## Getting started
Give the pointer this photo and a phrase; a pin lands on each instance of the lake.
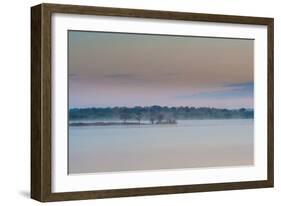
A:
(188, 144)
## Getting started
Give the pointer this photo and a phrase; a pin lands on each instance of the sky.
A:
(120, 69)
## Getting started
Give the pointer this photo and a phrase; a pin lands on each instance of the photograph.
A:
(149, 102)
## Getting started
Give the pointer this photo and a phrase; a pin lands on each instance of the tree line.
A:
(158, 114)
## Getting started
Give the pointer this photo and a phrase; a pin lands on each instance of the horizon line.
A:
(131, 107)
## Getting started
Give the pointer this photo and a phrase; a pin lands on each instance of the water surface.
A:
(188, 144)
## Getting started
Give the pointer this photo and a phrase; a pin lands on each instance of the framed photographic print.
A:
(130, 102)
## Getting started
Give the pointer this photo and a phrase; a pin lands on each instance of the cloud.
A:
(244, 85)
(125, 77)
(121, 76)
(72, 75)
(129, 77)
(229, 91)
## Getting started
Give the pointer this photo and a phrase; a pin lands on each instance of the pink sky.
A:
(113, 69)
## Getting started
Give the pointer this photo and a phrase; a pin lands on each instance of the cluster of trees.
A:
(153, 116)
(158, 114)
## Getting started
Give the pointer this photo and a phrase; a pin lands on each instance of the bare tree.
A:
(124, 115)
(160, 118)
(170, 118)
(138, 116)
(152, 117)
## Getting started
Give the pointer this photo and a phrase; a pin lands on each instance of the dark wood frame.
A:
(41, 102)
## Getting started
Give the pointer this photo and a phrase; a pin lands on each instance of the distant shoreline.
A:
(77, 124)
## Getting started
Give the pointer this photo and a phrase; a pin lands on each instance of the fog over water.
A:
(188, 144)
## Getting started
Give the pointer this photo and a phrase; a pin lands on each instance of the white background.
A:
(15, 102)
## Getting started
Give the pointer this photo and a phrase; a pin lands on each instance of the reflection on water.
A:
(188, 144)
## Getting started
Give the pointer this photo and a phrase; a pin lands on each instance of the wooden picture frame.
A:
(41, 116)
